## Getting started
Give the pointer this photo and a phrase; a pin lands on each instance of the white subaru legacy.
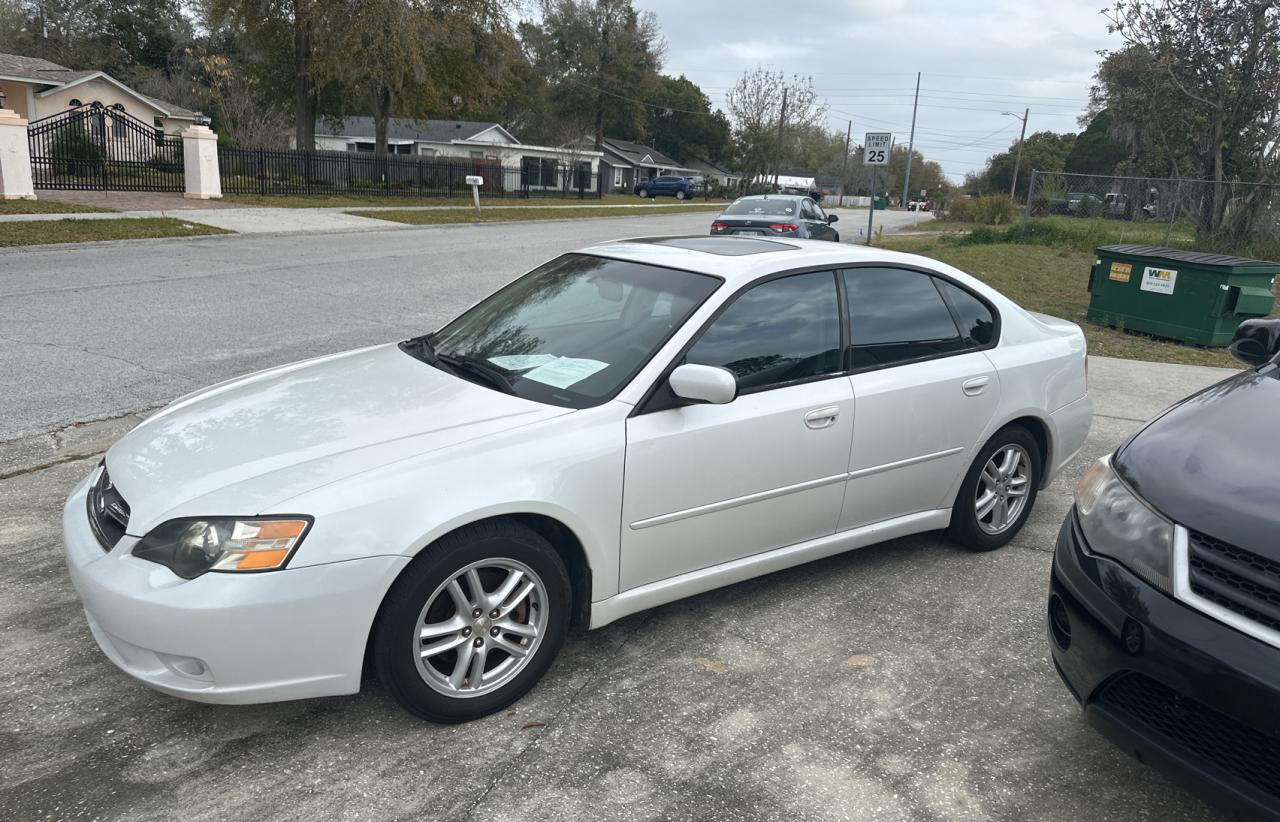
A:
(623, 426)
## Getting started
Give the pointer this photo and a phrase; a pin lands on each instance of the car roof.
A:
(725, 256)
(778, 196)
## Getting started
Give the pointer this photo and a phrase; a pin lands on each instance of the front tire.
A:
(473, 623)
(680, 195)
(643, 193)
(998, 492)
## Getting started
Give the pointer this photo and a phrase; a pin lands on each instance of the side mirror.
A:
(832, 218)
(1256, 341)
(704, 383)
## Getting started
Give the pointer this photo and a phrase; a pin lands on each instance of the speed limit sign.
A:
(876, 148)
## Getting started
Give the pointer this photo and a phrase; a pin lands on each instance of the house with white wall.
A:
(629, 163)
(539, 166)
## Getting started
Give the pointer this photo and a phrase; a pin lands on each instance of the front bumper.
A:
(225, 638)
(1178, 690)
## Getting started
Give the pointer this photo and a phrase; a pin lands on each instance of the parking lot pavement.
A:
(909, 680)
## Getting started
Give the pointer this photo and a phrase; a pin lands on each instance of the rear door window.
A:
(976, 320)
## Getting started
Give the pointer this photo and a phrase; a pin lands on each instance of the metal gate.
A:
(100, 148)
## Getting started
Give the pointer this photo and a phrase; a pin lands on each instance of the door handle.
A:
(822, 417)
(975, 386)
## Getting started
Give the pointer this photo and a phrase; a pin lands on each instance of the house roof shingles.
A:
(35, 68)
(635, 153)
(406, 128)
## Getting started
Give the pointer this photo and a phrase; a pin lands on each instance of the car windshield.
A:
(572, 332)
(745, 208)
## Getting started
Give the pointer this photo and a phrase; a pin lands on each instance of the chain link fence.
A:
(1222, 216)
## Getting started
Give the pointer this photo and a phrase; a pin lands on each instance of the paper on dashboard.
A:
(565, 371)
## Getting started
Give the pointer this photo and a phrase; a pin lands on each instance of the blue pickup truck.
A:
(682, 188)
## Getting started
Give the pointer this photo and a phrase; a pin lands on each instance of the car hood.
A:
(1212, 462)
(241, 446)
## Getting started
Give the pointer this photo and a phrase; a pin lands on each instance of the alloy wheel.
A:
(1002, 489)
(480, 628)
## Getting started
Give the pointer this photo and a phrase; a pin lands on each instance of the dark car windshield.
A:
(572, 332)
(771, 205)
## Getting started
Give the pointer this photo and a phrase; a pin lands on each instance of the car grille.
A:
(1236, 579)
(1241, 751)
(108, 512)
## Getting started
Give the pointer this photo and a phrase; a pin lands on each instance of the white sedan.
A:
(623, 426)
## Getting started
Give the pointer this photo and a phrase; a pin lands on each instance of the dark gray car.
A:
(776, 215)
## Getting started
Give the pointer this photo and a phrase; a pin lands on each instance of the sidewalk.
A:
(244, 219)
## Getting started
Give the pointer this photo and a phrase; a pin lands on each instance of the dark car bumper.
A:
(1195, 699)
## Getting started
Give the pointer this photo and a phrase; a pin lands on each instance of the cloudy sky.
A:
(978, 59)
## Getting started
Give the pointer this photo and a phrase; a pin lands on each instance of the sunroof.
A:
(722, 246)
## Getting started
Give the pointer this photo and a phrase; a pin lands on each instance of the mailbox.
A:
(474, 180)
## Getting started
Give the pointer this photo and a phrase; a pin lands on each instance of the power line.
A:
(658, 106)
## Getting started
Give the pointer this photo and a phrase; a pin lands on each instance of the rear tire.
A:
(998, 492)
(448, 652)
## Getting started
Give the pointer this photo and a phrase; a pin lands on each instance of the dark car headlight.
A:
(190, 547)
(1118, 524)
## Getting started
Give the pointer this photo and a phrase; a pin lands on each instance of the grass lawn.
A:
(493, 214)
(462, 201)
(45, 207)
(1053, 280)
(40, 232)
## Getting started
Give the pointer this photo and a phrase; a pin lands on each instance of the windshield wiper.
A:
(475, 368)
(421, 348)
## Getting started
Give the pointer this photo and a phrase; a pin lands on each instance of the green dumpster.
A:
(881, 203)
(1191, 296)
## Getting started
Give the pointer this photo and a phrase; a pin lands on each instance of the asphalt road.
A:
(104, 329)
(909, 680)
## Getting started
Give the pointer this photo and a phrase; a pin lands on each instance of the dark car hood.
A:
(1212, 462)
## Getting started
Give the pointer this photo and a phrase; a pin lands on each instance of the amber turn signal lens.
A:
(257, 560)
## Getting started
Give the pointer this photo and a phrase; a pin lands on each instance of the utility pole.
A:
(777, 151)
(844, 164)
(1018, 162)
(911, 145)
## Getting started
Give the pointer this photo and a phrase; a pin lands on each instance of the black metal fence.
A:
(266, 171)
(99, 148)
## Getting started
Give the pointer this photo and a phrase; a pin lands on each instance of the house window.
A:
(617, 178)
(361, 146)
(426, 152)
(542, 172)
(402, 148)
(477, 155)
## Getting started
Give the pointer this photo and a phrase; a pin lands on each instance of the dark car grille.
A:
(1241, 751)
(108, 512)
(1238, 580)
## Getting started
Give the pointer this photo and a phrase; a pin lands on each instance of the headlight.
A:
(1118, 524)
(190, 547)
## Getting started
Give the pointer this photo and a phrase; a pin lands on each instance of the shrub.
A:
(989, 209)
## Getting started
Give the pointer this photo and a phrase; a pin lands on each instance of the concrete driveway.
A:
(909, 680)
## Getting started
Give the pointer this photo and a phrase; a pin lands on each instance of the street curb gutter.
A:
(75, 442)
